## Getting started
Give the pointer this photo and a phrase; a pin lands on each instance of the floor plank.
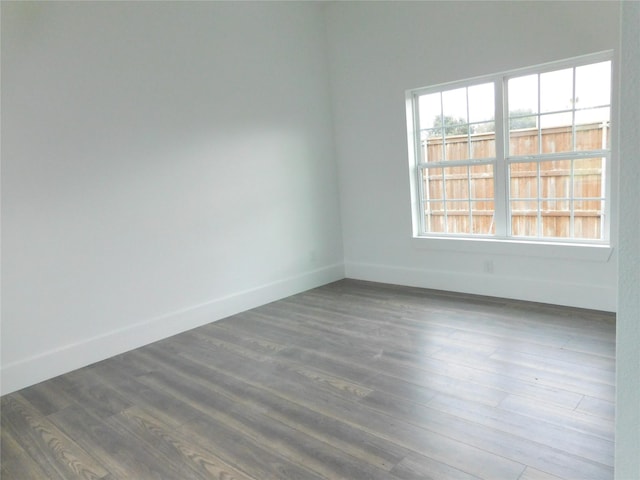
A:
(352, 380)
(57, 455)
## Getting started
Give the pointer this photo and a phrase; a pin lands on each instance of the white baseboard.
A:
(23, 373)
(543, 291)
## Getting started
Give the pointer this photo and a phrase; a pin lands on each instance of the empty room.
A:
(320, 240)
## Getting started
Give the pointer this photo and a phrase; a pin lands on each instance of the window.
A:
(517, 155)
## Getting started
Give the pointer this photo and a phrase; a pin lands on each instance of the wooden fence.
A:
(551, 195)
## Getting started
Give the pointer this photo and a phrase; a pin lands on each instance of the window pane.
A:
(457, 183)
(587, 226)
(523, 95)
(432, 145)
(556, 224)
(524, 219)
(587, 218)
(482, 181)
(482, 218)
(592, 130)
(593, 115)
(433, 183)
(484, 206)
(587, 178)
(523, 137)
(483, 128)
(457, 208)
(436, 208)
(481, 103)
(455, 106)
(431, 133)
(556, 90)
(429, 110)
(525, 122)
(557, 138)
(593, 85)
(483, 140)
(555, 179)
(523, 180)
(552, 120)
(587, 206)
(547, 207)
(457, 143)
(434, 217)
(458, 217)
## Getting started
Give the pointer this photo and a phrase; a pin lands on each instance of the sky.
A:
(592, 89)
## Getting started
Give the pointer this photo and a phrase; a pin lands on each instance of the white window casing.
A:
(538, 191)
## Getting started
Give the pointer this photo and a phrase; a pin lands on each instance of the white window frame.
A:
(501, 162)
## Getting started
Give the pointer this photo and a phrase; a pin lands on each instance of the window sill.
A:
(520, 248)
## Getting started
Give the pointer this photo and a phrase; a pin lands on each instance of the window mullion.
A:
(500, 173)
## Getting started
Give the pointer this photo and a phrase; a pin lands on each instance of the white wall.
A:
(163, 165)
(377, 52)
(627, 466)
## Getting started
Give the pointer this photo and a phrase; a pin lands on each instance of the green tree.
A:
(523, 119)
(459, 126)
(452, 126)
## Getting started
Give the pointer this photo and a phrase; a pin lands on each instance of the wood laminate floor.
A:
(352, 380)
